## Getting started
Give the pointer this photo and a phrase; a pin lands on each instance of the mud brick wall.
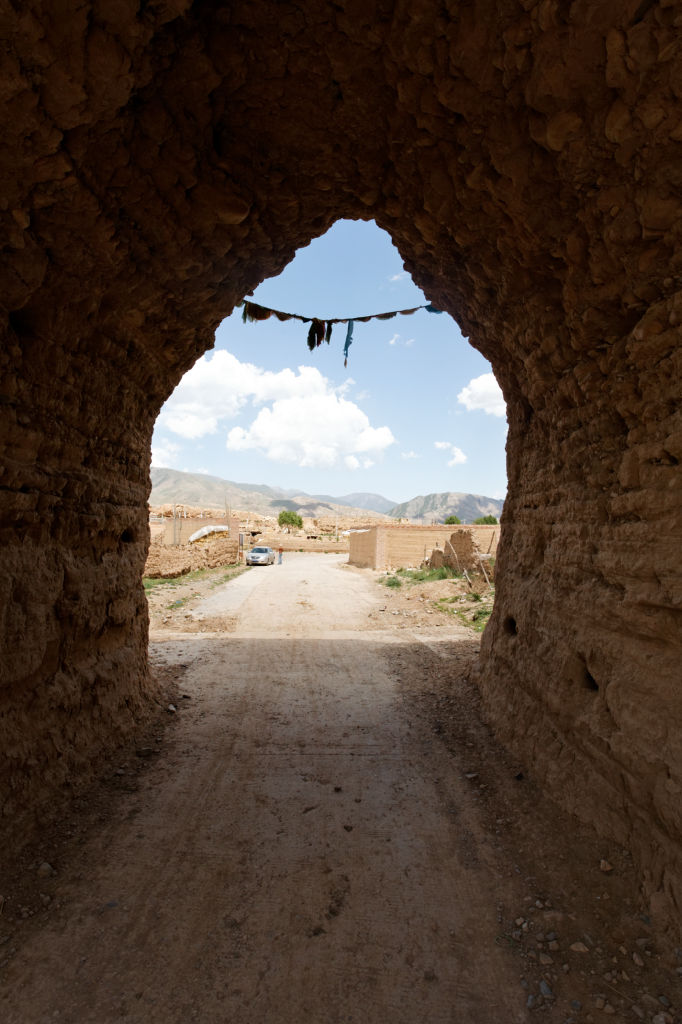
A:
(363, 549)
(408, 546)
(395, 547)
(486, 537)
(461, 551)
(168, 561)
(524, 157)
(466, 548)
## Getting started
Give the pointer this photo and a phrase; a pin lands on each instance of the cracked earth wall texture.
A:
(161, 159)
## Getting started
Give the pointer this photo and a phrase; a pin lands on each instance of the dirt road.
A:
(311, 844)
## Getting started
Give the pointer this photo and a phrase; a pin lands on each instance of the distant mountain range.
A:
(373, 502)
(170, 486)
(449, 503)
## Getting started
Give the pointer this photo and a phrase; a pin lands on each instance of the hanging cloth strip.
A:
(316, 334)
(252, 311)
(321, 330)
(349, 342)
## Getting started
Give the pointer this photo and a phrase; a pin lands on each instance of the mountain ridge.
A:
(173, 486)
(361, 499)
(439, 505)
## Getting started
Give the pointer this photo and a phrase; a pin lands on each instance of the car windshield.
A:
(259, 551)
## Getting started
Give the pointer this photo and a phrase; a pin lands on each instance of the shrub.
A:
(426, 575)
(453, 521)
(485, 521)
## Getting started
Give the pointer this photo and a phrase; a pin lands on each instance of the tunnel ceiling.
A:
(193, 147)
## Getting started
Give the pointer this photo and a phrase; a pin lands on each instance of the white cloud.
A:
(457, 456)
(398, 277)
(313, 430)
(362, 395)
(396, 340)
(218, 388)
(164, 454)
(483, 393)
(409, 455)
(303, 417)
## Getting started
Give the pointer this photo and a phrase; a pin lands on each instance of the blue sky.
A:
(417, 410)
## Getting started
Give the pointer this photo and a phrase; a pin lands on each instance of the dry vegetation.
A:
(436, 596)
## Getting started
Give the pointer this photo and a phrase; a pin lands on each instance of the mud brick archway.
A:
(161, 159)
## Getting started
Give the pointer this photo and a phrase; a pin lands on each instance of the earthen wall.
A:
(408, 547)
(385, 547)
(363, 549)
(486, 538)
(167, 561)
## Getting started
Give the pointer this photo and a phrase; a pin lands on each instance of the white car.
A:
(260, 556)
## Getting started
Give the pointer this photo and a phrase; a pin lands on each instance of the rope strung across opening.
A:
(321, 330)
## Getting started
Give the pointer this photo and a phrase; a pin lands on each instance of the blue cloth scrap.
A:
(432, 309)
(349, 338)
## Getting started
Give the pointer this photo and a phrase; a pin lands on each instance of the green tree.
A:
(453, 521)
(288, 518)
(485, 521)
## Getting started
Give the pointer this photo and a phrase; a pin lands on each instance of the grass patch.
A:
(401, 576)
(201, 574)
(476, 621)
(480, 619)
(237, 570)
(429, 575)
(149, 582)
(152, 582)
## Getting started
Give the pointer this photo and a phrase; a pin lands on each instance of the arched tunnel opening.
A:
(161, 162)
(335, 419)
(263, 405)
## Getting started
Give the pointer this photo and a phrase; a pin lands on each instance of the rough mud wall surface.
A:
(161, 159)
(166, 562)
